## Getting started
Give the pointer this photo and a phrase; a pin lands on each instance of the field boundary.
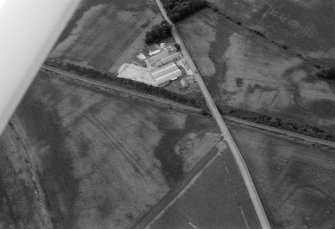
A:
(172, 195)
(99, 85)
(292, 135)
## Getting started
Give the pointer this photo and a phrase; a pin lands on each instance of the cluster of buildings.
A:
(160, 67)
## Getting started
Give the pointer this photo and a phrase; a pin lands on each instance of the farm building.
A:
(166, 73)
(161, 67)
(156, 77)
(162, 58)
(152, 53)
(170, 58)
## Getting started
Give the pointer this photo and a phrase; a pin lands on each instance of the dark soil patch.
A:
(218, 48)
(239, 82)
(252, 89)
(171, 163)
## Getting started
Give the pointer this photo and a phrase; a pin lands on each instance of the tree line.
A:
(199, 102)
(112, 78)
(179, 9)
(281, 123)
(158, 33)
(176, 10)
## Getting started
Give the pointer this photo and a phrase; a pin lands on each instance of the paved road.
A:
(223, 127)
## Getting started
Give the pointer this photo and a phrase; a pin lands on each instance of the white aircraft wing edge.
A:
(28, 31)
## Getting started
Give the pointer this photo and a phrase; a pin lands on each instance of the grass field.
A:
(295, 181)
(74, 157)
(105, 34)
(247, 71)
(216, 198)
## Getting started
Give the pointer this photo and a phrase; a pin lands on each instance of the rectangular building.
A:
(166, 73)
(162, 58)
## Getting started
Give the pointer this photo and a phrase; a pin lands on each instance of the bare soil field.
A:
(73, 157)
(295, 181)
(247, 71)
(215, 198)
(105, 34)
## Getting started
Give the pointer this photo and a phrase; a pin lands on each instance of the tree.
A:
(179, 9)
(158, 33)
(177, 46)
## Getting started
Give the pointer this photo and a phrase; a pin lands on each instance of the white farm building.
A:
(163, 58)
(155, 77)
(166, 73)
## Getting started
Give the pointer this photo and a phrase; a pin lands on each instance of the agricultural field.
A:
(304, 26)
(105, 34)
(19, 198)
(75, 157)
(215, 198)
(254, 72)
(295, 181)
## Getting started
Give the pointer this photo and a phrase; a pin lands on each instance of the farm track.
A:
(133, 159)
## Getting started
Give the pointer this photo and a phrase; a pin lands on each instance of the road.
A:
(223, 127)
